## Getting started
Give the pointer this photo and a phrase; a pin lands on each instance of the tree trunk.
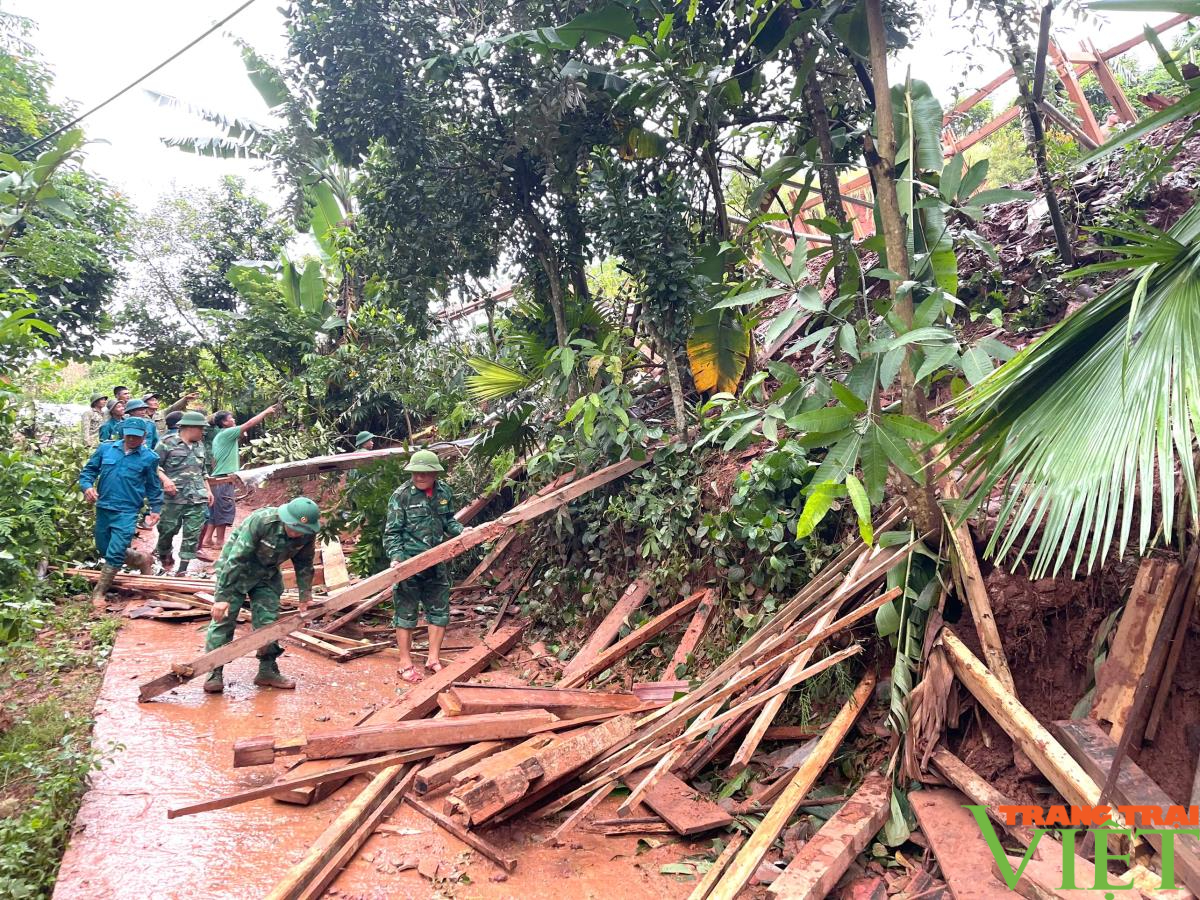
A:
(713, 170)
(543, 249)
(672, 364)
(881, 160)
(1030, 91)
(827, 172)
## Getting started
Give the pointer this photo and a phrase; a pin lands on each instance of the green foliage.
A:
(78, 383)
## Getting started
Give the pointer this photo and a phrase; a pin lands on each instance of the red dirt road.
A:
(178, 750)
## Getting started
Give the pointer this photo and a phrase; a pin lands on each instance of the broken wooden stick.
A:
(373, 586)
(556, 837)
(713, 875)
(469, 838)
(606, 632)
(440, 772)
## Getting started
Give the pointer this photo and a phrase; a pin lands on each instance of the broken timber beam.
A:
(743, 867)
(1095, 751)
(680, 805)
(341, 773)
(441, 771)
(824, 858)
(375, 586)
(606, 632)
(695, 631)
(978, 791)
(634, 639)
(1027, 733)
(393, 737)
(962, 853)
(418, 702)
(471, 699)
(338, 843)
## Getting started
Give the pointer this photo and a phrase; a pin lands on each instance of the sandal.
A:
(411, 675)
(435, 667)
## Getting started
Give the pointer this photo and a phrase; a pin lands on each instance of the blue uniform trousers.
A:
(114, 533)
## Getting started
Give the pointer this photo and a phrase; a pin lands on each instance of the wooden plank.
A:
(978, 791)
(305, 877)
(418, 702)
(460, 700)
(790, 733)
(726, 856)
(606, 632)
(695, 631)
(1117, 679)
(493, 765)
(966, 562)
(679, 805)
(374, 587)
(738, 875)
(365, 767)
(441, 771)
(336, 573)
(506, 863)
(648, 691)
(1095, 751)
(635, 639)
(825, 857)
(484, 799)
(1167, 679)
(963, 854)
(1018, 723)
(394, 737)
(556, 837)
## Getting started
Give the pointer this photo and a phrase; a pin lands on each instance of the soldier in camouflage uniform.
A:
(249, 567)
(183, 461)
(420, 515)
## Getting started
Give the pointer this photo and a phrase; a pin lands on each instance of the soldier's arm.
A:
(394, 529)
(451, 525)
(302, 562)
(238, 554)
(154, 489)
(91, 470)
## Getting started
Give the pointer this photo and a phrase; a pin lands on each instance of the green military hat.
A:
(301, 515)
(111, 403)
(134, 425)
(96, 398)
(362, 437)
(192, 417)
(424, 461)
(133, 404)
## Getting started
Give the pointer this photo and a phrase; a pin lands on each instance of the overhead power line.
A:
(99, 106)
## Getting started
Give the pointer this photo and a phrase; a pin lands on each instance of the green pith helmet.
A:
(301, 515)
(424, 461)
(362, 437)
(192, 417)
(135, 404)
(97, 397)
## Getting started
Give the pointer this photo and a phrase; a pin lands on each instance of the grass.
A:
(48, 687)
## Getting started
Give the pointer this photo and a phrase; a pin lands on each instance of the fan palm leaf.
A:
(1083, 425)
(493, 380)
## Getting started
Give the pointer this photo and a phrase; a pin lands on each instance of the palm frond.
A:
(1084, 425)
(493, 380)
(215, 147)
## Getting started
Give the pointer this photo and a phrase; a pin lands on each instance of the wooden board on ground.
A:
(1117, 679)
(1095, 750)
(695, 631)
(419, 701)
(440, 772)
(961, 851)
(680, 805)
(471, 699)
(606, 632)
(392, 737)
(824, 858)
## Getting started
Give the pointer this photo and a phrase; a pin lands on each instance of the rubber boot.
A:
(216, 682)
(100, 591)
(166, 562)
(182, 570)
(143, 562)
(270, 676)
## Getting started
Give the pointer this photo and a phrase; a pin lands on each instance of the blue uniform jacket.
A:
(123, 479)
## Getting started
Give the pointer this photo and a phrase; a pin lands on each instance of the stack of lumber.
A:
(492, 752)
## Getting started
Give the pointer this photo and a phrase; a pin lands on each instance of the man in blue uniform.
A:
(119, 477)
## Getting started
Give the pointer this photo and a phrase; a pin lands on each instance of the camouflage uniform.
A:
(415, 523)
(185, 465)
(249, 567)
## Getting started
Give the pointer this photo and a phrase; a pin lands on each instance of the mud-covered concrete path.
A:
(178, 750)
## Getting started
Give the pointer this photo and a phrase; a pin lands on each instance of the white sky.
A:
(95, 48)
